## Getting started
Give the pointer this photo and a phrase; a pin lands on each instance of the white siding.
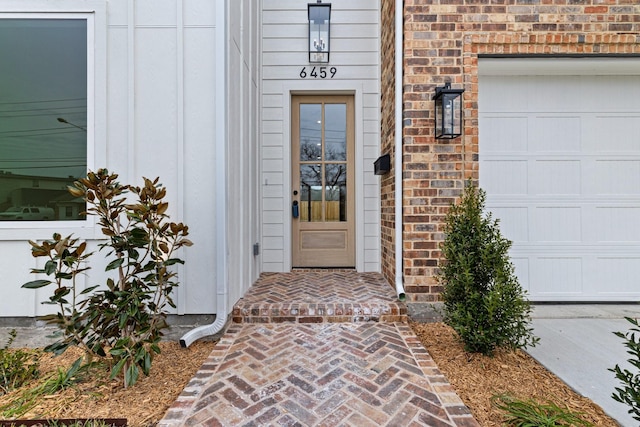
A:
(355, 54)
(242, 148)
(156, 102)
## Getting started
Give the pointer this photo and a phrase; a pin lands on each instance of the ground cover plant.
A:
(28, 398)
(531, 413)
(483, 301)
(16, 366)
(122, 323)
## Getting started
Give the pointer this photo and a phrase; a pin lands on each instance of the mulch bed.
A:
(97, 397)
(110, 422)
(478, 378)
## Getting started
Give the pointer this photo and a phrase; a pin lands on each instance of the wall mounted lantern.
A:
(448, 104)
(319, 24)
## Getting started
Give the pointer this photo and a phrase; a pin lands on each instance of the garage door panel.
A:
(517, 170)
(621, 94)
(505, 134)
(555, 134)
(514, 222)
(560, 94)
(618, 276)
(558, 276)
(556, 177)
(621, 133)
(568, 195)
(510, 97)
(557, 224)
(618, 177)
(617, 224)
(521, 265)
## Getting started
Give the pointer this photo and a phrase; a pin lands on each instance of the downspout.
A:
(222, 284)
(399, 55)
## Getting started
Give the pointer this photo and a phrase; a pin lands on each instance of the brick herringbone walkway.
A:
(287, 373)
(319, 296)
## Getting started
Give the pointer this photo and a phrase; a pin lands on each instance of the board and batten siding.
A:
(243, 147)
(157, 98)
(355, 53)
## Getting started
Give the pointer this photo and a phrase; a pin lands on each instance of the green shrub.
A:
(125, 319)
(629, 392)
(529, 413)
(483, 300)
(17, 366)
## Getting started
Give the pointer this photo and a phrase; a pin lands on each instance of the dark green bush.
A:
(17, 366)
(483, 301)
(629, 392)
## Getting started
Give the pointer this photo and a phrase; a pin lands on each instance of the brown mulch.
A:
(477, 378)
(142, 405)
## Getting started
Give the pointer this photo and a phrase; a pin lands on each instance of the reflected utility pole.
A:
(61, 120)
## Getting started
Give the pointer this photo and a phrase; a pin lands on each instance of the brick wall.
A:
(442, 41)
(387, 220)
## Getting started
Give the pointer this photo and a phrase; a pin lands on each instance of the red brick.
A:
(577, 26)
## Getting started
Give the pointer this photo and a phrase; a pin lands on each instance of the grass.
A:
(531, 413)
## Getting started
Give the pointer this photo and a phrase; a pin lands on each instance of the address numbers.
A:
(318, 72)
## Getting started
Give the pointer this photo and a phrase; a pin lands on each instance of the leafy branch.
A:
(125, 319)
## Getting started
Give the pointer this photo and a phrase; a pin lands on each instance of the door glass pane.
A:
(310, 132)
(336, 192)
(335, 131)
(311, 192)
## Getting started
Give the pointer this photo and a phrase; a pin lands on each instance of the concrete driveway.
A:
(578, 345)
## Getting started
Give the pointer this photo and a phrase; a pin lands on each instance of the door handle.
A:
(295, 210)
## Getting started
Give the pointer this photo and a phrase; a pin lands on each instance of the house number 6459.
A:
(318, 72)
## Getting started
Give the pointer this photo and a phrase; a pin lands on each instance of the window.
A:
(43, 114)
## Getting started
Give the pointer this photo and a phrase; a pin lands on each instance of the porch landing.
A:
(315, 367)
(320, 296)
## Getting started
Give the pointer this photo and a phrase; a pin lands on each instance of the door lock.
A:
(295, 210)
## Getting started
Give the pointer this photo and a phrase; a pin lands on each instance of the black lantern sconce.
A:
(448, 103)
(319, 34)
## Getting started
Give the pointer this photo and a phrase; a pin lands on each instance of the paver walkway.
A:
(320, 296)
(315, 369)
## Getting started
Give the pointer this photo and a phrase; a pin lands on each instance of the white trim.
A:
(95, 13)
(182, 292)
(399, 196)
(131, 89)
(556, 66)
(324, 88)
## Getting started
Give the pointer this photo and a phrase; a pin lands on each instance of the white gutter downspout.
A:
(399, 54)
(222, 284)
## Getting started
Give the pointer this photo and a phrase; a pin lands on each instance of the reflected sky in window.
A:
(43, 78)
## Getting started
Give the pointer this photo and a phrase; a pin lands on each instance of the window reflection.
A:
(311, 192)
(323, 166)
(43, 117)
(335, 131)
(336, 192)
(310, 132)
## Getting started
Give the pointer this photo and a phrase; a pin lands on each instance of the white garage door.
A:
(559, 153)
